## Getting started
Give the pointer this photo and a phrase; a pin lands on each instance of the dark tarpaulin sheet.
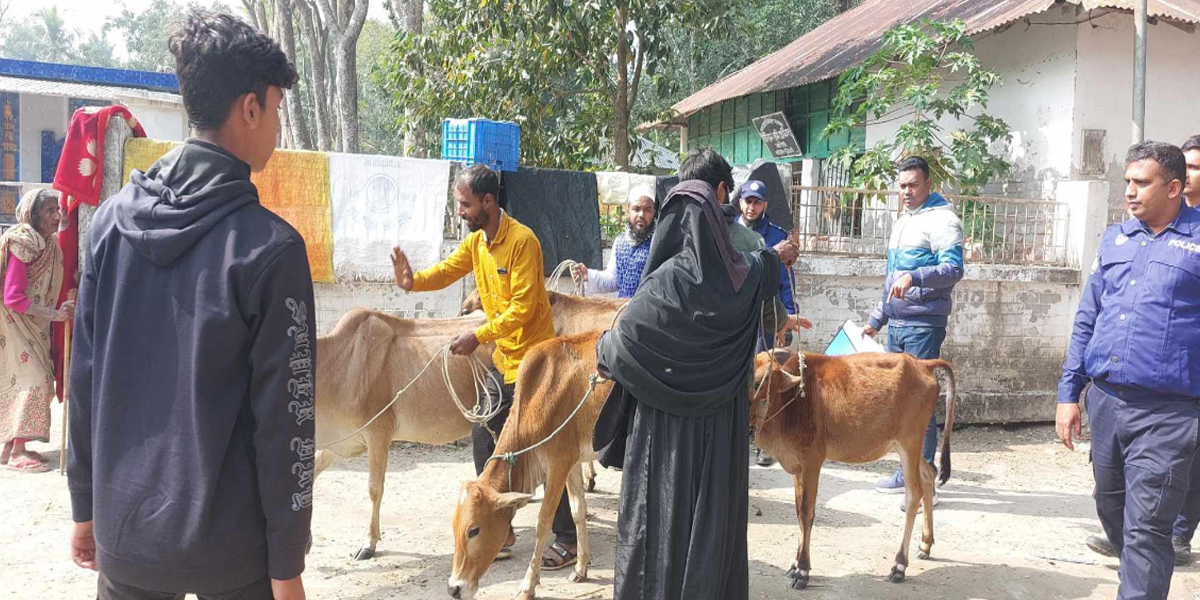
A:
(778, 199)
(663, 187)
(561, 208)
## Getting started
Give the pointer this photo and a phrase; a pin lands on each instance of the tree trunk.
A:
(347, 90)
(295, 112)
(413, 17)
(621, 109)
(315, 35)
(346, 23)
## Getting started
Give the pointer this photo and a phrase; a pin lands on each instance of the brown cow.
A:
(552, 381)
(361, 365)
(852, 409)
(572, 315)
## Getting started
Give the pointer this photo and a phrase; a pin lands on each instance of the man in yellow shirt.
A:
(506, 258)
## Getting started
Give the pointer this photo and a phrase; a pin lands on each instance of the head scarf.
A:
(26, 243)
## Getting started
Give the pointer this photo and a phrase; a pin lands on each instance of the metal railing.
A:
(612, 223)
(857, 222)
(1117, 214)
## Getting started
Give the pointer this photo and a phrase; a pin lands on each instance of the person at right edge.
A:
(1189, 516)
(677, 420)
(1135, 341)
(924, 262)
(192, 379)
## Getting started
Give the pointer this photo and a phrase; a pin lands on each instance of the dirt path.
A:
(1010, 524)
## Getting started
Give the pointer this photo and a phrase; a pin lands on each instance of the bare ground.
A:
(1011, 524)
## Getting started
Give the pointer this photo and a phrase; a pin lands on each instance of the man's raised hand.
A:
(402, 270)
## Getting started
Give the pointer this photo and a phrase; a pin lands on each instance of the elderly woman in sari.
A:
(31, 269)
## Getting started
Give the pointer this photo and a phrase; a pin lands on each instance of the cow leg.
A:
(555, 482)
(324, 459)
(927, 500)
(377, 456)
(913, 490)
(589, 475)
(578, 498)
(806, 509)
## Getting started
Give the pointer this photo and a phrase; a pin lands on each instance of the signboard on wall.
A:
(777, 134)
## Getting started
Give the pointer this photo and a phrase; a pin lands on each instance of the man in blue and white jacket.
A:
(925, 260)
(630, 250)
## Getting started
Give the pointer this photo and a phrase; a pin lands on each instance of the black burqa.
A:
(677, 420)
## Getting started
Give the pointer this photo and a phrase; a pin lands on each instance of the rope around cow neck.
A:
(511, 457)
(477, 415)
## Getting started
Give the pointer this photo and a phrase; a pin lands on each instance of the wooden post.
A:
(66, 402)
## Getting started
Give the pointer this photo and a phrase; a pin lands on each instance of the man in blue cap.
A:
(754, 216)
(1135, 341)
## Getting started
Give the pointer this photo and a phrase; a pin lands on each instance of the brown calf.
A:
(573, 315)
(852, 409)
(552, 381)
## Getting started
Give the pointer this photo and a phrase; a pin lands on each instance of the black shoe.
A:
(762, 459)
(1183, 551)
(1099, 544)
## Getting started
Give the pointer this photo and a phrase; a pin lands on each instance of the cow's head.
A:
(481, 522)
(771, 381)
(471, 304)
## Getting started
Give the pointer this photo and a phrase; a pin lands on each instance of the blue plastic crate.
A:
(496, 144)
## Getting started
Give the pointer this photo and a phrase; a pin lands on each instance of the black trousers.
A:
(108, 589)
(1142, 454)
(482, 448)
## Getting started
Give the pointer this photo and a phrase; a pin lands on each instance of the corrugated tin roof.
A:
(21, 85)
(848, 39)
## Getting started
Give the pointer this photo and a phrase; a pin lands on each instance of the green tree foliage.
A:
(43, 37)
(926, 77)
(569, 72)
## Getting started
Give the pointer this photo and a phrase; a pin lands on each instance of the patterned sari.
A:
(26, 368)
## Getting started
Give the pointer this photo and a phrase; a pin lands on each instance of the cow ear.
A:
(781, 355)
(513, 500)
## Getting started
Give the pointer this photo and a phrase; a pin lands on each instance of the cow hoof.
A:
(800, 582)
(591, 484)
(922, 554)
(897, 576)
(365, 553)
(523, 596)
(576, 577)
(792, 571)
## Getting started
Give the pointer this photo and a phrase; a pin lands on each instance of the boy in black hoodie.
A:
(191, 454)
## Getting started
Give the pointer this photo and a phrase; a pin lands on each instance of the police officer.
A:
(754, 216)
(1135, 340)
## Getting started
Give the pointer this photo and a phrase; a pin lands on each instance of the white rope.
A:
(476, 415)
(511, 457)
(557, 273)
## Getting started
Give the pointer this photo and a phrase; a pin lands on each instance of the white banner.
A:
(383, 201)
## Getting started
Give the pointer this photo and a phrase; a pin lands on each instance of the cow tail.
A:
(947, 384)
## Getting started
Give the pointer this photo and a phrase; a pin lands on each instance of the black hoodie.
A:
(191, 430)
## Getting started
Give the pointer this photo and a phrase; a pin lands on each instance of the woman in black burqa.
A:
(677, 421)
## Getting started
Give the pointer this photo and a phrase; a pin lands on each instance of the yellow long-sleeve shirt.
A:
(509, 274)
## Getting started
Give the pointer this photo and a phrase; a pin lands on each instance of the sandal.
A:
(27, 464)
(566, 555)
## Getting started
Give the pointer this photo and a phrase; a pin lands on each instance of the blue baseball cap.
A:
(754, 189)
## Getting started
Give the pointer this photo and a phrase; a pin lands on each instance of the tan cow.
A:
(552, 381)
(572, 315)
(361, 365)
(852, 409)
